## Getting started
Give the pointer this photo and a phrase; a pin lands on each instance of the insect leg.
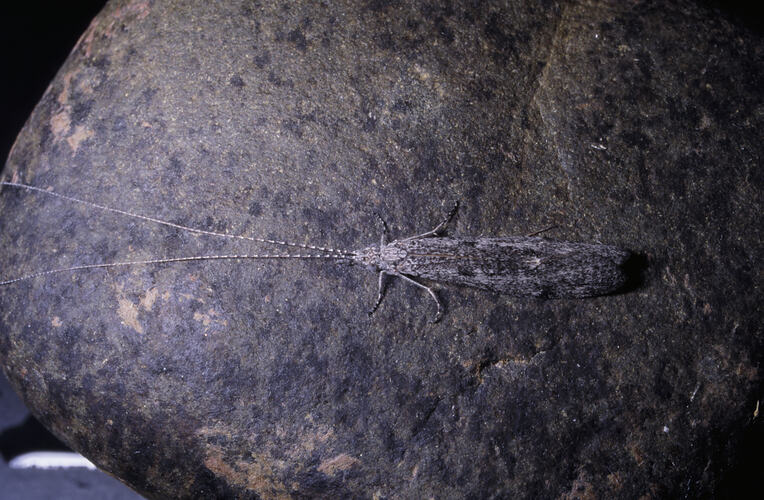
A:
(385, 231)
(429, 290)
(380, 294)
(534, 233)
(439, 228)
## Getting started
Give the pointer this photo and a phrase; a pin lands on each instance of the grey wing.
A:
(520, 266)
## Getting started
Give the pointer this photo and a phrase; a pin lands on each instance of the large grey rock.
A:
(636, 124)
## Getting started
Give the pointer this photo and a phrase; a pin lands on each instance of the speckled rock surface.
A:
(636, 124)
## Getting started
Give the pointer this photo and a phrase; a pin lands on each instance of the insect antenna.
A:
(169, 260)
(90, 204)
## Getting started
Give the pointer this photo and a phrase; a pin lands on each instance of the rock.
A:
(634, 124)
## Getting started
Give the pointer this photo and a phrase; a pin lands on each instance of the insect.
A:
(517, 265)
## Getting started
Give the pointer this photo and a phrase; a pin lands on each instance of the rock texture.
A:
(629, 123)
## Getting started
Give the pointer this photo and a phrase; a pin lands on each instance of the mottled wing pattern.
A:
(520, 266)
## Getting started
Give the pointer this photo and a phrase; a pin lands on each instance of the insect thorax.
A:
(380, 259)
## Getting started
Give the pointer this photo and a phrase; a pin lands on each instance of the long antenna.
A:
(169, 260)
(90, 204)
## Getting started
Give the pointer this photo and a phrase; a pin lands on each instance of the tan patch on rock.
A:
(63, 97)
(59, 125)
(615, 481)
(99, 28)
(581, 489)
(636, 453)
(140, 8)
(256, 475)
(56, 322)
(129, 314)
(340, 463)
(312, 440)
(80, 134)
(204, 318)
(210, 319)
(148, 299)
(86, 40)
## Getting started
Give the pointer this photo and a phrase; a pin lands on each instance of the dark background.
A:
(36, 39)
